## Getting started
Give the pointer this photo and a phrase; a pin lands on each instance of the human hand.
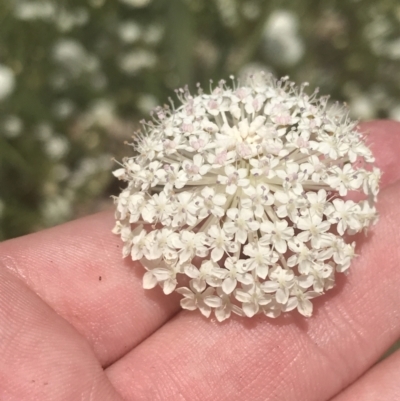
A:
(75, 323)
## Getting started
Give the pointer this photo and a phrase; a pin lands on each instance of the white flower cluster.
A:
(246, 191)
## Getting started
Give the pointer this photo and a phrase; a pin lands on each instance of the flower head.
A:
(244, 192)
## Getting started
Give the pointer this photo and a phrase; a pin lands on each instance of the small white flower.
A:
(242, 222)
(252, 298)
(282, 280)
(316, 203)
(226, 307)
(207, 274)
(260, 257)
(194, 170)
(301, 300)
(220, 243)
(188, 244)
(345, 214)
(202, 299)
(231, 275)
(167, 276)
(139, 245)
(185, 210)
(158, 209)
(277, 233)
(257, 198)
(313, 229)
(233, 178)
(264, 166)
(210, 203)
(241, 191)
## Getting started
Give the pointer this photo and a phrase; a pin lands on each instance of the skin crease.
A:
(75, 323)
(381, 383)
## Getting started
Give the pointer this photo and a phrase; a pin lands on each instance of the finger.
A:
(42, 356)
(383, 138)
(381, 383)
(291, 358)
(78, 270)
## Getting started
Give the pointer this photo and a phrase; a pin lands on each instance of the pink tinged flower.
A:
(301, 140)
(187, 126)
(279, 113)
(244, 150)
(194, 170)
(264, 167)
(233, 178)
(221, 158)
(171, 146)
(253, 104)
(218, 103)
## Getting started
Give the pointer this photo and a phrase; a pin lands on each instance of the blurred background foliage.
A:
(76, 77)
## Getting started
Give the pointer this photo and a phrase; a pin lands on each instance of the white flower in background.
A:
(68, 20)
(34, 10)
(7, 81)
(129, 31)
(133, 62)
(243, 192)
(71, 55)
(282, 41)
(136, 3)
(12, 126)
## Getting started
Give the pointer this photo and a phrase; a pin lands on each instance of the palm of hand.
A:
(75, 323)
